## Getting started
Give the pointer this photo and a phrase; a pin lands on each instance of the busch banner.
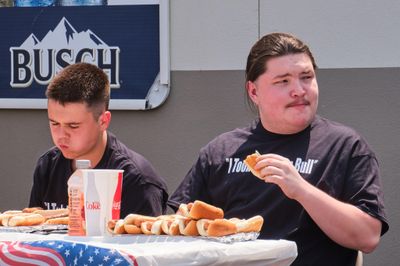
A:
(123, 40)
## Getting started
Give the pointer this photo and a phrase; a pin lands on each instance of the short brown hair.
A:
(273, 45)
(81, 83)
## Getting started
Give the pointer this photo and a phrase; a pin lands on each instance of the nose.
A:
(298, 89)
(61, 132)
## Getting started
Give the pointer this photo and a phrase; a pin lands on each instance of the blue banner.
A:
(37, 42)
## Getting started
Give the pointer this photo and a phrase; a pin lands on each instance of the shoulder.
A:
(339, 134)
(50, 156)
(332, 128)
(232, 139)
(226, 144)
(52, 161)
(136, 167)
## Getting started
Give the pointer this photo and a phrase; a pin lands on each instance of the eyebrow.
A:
(309, 71)
(68, 123)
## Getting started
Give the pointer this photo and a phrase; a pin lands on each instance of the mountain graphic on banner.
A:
(65, 35)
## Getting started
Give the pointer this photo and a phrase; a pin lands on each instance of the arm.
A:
(36, 198)
(343, 223)
(145, 199)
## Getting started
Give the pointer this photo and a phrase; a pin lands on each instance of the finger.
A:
(277, 163)
(271, 170)
(273, 179)
(271, 156)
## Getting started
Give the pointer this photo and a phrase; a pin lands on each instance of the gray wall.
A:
(359, 86)
(206, 103)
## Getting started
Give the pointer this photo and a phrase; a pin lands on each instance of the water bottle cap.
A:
(82, 164)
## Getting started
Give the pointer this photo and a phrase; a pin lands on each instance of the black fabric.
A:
(143, 190)
(329, 155)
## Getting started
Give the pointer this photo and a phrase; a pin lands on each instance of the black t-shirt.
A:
(328, 155)
(143, 190)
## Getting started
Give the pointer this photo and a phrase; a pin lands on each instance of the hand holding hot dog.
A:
(276, 169)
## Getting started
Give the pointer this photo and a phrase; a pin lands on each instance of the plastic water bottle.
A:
(33, 3)
(81, 2)
(76, 210)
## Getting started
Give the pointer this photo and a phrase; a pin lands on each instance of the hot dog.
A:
(6, 216)
(217, 227)
(146, 227)
(26, 220)
(184, 209)
(156, 228)
(132, 229)
(137, 219)
(59, 220)
(202, 210)
(187, 227)
(32, 209)
(170, 227)
(49, 214)
(223, 227)
(251, 161)
(252, 224)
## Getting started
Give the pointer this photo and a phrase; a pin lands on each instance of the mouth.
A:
(299, 103)
(63, 146)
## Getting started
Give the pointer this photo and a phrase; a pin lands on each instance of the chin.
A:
(298, 125)
(69, 155)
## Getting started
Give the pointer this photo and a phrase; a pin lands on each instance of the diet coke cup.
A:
(102, 199)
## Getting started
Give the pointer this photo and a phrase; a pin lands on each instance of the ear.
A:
(252, 91)
(105, 120)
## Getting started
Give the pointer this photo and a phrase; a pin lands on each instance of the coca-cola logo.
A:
(116, 205)
(95, 205)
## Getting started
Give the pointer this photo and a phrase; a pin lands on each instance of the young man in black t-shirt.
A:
(78, 114)
(319, 181)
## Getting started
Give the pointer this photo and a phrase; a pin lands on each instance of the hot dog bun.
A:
(133, 222)
(217, 227)
(6, 216)
(137, 219)
(252, 224)
(119, 227)
(250, 162)
(49, 214)
(170, 227)
(146, 227)
(202, 210)
(184, 209)
(26, 220)
(188, 227)
(58, 220)
(32, 209)
(132, 229)
(156, 228)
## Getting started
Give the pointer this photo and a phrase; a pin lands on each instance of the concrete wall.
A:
(354, 43)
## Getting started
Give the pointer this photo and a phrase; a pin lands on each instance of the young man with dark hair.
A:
(78, 99)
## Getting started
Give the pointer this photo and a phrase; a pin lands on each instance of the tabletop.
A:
(141, 250)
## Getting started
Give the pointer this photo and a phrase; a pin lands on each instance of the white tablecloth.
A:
(167, 250)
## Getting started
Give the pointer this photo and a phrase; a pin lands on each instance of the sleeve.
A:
(140, 196)
(194, 185)
(363, 187)
(36, 198)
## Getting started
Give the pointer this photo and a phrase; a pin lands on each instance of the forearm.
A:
(343, 223)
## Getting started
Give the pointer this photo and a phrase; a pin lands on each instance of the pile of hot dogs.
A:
(192, 219)
(33, 216)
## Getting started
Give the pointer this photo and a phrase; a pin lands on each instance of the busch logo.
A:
(95, 205)
(41, 60)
